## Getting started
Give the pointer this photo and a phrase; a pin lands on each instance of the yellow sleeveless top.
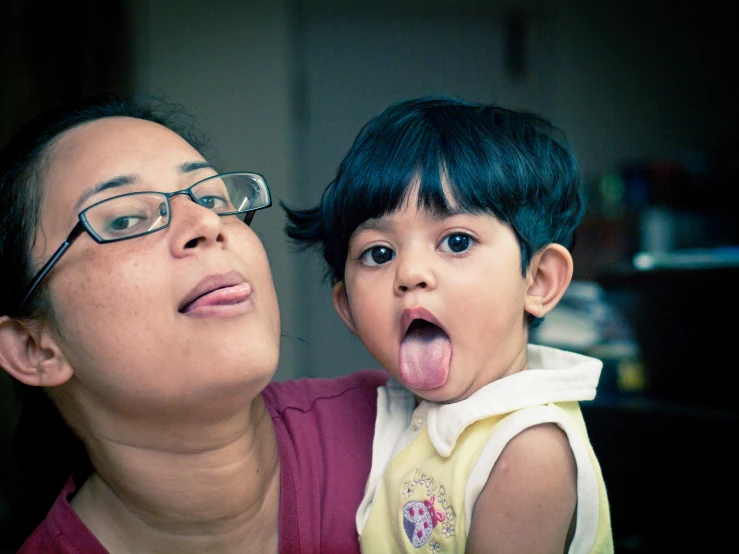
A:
(424, 498)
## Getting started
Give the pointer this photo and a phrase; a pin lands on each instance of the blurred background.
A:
(645, 90)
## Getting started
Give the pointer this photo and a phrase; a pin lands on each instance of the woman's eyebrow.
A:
(123, 180)
(188, 167)
(115, 182)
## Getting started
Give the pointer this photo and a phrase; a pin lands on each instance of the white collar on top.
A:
(554, 375)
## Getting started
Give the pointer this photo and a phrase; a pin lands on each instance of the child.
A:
(446, 232)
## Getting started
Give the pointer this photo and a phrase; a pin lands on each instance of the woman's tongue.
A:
(223, 296)
(425, 354)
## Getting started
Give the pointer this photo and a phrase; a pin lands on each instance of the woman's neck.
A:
(218, 499)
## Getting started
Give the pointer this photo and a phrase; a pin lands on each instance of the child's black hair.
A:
(514, 165)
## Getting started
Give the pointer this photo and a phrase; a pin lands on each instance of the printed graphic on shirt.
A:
(419, 519)
(422, 515)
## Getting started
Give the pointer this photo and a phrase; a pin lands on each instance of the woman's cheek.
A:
(108, 286)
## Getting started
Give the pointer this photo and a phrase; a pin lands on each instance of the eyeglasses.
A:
(141, 213)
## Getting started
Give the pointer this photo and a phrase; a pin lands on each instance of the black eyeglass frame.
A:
(84, 226)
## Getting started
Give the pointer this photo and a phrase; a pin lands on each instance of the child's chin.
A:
(450, 392)
(445, 394)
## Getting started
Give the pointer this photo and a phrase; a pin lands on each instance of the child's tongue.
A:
(425, 354)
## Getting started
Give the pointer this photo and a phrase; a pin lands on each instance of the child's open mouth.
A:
(425, 354)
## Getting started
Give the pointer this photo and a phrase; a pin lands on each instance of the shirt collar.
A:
(553, 376)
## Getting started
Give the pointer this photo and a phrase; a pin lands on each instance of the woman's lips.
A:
(219, 295)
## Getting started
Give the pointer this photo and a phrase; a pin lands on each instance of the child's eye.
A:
(456, 243)
(377, 255)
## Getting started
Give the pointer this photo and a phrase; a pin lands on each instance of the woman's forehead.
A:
(106, 148)
(114, 143)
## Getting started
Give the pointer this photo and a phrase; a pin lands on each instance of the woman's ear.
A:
(31, 355)
(550, 273)
(341, 305)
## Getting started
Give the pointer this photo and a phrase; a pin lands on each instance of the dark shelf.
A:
(668, 469)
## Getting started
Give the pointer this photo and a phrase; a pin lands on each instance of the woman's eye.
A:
(456, 243)
(126, 215)
(377, 255)
(124, 223)
(215, 203)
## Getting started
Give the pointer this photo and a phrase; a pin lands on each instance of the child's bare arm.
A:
(528, 504)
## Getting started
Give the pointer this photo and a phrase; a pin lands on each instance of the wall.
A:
(637, 80)
(284, 86)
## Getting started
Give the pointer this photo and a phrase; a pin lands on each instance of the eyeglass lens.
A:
(136, 214)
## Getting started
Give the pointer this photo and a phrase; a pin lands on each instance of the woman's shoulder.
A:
(62, 531)
(303, 394)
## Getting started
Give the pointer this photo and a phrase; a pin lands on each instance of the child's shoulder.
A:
(536, 474)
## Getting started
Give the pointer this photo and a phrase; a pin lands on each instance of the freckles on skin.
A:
(102, 290)
(96, 290)
(100, 273)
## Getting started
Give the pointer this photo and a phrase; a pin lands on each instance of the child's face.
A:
(461, 272)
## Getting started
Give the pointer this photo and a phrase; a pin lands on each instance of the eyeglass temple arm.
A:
(76, 232)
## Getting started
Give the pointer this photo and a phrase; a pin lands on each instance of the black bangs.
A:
(387, 162)
(379, 180)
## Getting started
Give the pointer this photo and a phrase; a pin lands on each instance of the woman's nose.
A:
(414, 271)
(193, 225)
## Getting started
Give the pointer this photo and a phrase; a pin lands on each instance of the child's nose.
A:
(413, 272)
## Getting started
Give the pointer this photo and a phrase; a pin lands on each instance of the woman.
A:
(154, 330)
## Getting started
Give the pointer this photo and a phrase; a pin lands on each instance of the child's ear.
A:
(341, 305)
(549, 276)
(31, 355)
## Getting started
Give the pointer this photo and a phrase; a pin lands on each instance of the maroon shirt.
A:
(324, 433)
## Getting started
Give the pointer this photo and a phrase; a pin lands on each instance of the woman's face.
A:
(123, 328)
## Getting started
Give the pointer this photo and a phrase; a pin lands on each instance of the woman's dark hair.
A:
(513, 164)
(45, 448)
